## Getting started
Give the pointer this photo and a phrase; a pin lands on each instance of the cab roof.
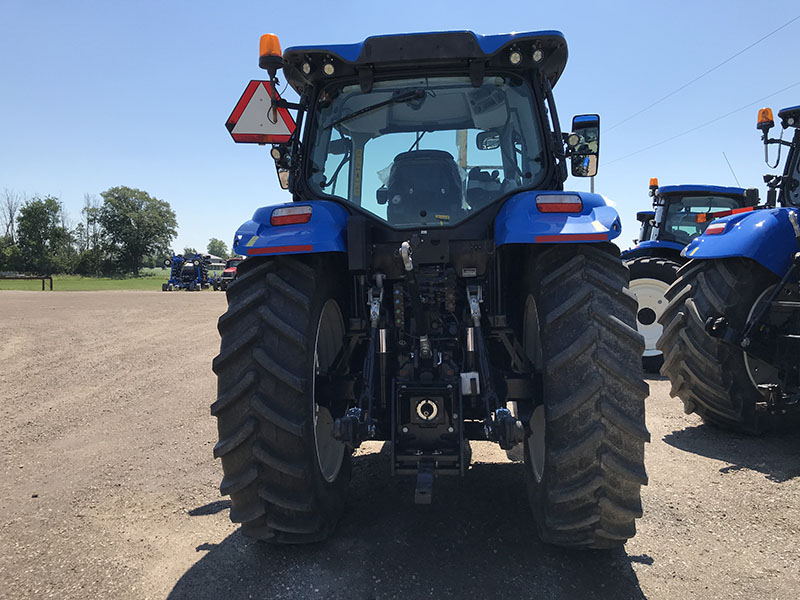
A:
(701, 189)
(460, 49)
(790, 116)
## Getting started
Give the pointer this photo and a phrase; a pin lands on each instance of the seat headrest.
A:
(424, 155)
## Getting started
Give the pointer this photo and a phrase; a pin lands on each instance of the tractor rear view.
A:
(732, 327)
(680, 214)
(430, 284)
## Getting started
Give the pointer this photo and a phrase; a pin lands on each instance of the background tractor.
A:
(680, 214)
(228, 273)
(430, 284)
(732, 326)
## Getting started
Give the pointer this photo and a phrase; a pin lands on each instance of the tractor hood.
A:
(304, 66)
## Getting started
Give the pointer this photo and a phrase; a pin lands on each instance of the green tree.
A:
(189, 252)
(90, 240)
(45, 243)
(217, 248)
(135, 225)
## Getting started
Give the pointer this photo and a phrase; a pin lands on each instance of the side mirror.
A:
(645, 215)
(339, 147)
(751, 197)
(584, 145)
(487, 140)
(382, 195)
(283, 162)
(283, 177)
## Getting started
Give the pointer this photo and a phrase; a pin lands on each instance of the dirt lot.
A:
(109, 488)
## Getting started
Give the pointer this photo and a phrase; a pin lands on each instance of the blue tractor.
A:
(680, 214)
(430, 284)
(731, 337)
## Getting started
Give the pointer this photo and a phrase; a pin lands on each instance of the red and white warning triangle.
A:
(254, 121)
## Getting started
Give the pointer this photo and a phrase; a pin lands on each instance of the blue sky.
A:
(99, 94)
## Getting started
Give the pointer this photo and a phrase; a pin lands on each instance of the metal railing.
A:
(25, 277)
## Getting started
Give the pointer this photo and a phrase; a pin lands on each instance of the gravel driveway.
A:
(109, 488)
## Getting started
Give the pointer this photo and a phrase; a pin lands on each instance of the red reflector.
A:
(703, 217)
(559, 203)
(572, 237)
(715, 229)
(292, 215)
(276, 249)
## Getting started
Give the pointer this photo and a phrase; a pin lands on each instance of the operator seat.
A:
(482, 187)
(423, 186)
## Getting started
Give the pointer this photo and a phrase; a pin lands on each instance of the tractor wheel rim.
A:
(328, 341)
(650, 298)
(532, 344)
(758, 371)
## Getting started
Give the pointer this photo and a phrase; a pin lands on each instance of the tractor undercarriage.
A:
(435, 370)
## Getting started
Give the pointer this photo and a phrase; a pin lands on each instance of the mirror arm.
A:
(782, 142)
(284, 104)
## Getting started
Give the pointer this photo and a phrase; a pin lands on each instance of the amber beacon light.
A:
(269, 53)
(765, 119)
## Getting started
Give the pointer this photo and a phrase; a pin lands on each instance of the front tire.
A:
(584, 459)
(650, 280)
(711, 377)
(286, 475)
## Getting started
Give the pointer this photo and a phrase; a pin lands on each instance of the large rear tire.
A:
(285, 473)
(650, 280)
(584, 460)
(709, 376)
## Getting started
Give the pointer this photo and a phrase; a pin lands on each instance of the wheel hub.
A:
(650, 297)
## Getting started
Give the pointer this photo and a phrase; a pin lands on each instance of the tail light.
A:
(559, 203)
(291, 215)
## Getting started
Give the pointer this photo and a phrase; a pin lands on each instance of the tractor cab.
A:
(682, 212)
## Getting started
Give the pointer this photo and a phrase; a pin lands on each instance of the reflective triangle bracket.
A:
(253, 121)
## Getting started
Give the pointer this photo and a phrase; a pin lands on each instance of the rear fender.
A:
(765, 236)
(521, 222)
(326, 231)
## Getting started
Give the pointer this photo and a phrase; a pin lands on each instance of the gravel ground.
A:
(109, 488)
